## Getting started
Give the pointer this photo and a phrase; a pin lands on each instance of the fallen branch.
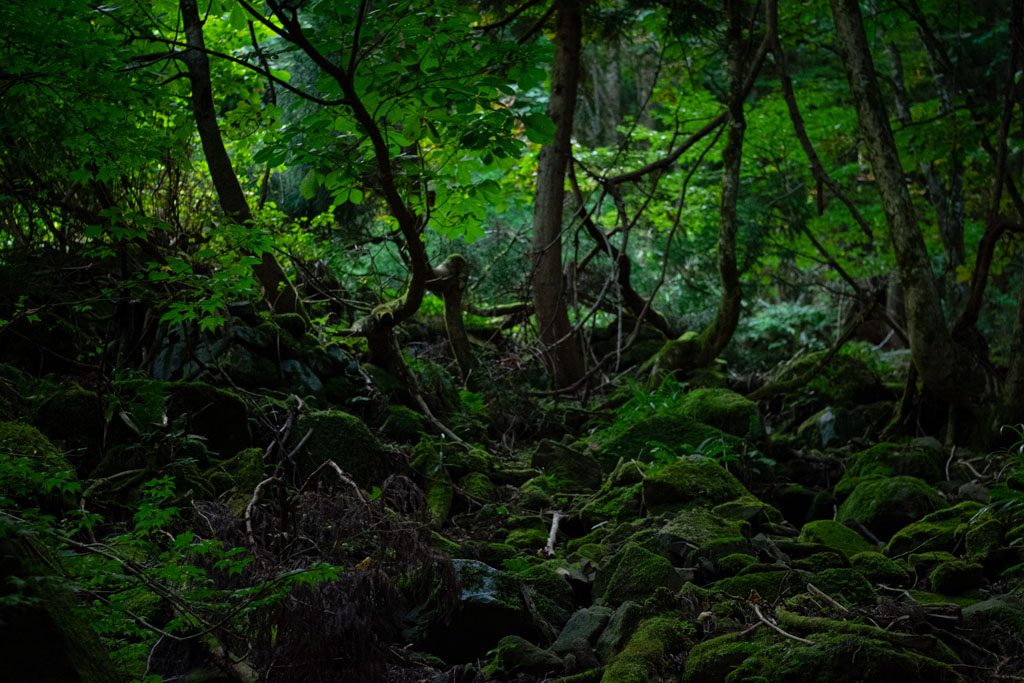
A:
(775, 627)
(549, 549)
(814, 590)
(257, 495)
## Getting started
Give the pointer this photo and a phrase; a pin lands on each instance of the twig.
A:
(257, 495)
(330, 464)
(775, 627)
(814, 590)
(549, 549)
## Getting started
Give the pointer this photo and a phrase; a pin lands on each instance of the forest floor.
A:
(683, 532)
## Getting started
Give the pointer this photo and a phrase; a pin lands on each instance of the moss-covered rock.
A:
(639, 441)
(956, 577)
(921, 458)
(694, 528)
(884, 506)
(749, 509)
(403, 424)
(241, 474)
(647, 655)
(74, 417)
(614, 504)
(478, 487)
(692, 480)
(633, 572)
(31, 468)
(725, 410)
(575, 471)
(836, 536)
(848, 586)
(878, 568)
(940, 530)
(766, 582)
(516, 655)
(828, 559)
(734, 563)
(621, 626)
(842, 381)
(551, 592)
(336, 435)
(584, 625)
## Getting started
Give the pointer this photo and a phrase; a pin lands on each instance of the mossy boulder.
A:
(956, 577)
(767, 582)
(575, 470)
(837, 424)
(921, 458)
(940, 530)
(848, 586)
(648, 655)
(437, 482)
(551, 592)
(691, 481)
(403, 424)
(827, 559)
(515, 655)
(74, 418)
(725, 410)
(842, 381)
(584, 625)
(29, 466)
(884, 506)
(341, 437)
(836, 536)
(614, 504)
(694, 529)
(749, 509)
(240, 475)
(639, 441)
(478, 487)
(878, 568)
(621, 626)
(632, 573)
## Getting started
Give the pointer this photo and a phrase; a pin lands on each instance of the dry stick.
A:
(346, 479)
(257, 495)
(814, 590)
(775, 627)
(549, 549)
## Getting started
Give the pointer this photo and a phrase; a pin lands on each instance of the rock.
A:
(43, 634)
(247, 368)
(1007, 610)
(343, 438)
(490, 608)
(574, 471)
(921, 458)
(828, 559)
(983, 537)
(621, 626)
(30, 466)
(437, 483)
(691, 530)
(632, 573)
(725, 410)
(299, 379)
(647, 655)
(936, 531)
(734, 563)
(678, 433)
(694, 480)
(74, 418)
(836, 536)
(956, 577)
(516, 655)
(843, 380)
(585, 624)
(292, 323)
(478, 487)
(403, 424)
(884, 506)
(614, 504)
(770, 582)
(839, 424)
(847, 586)
(749, 509)
(878, 568)
(550, 590)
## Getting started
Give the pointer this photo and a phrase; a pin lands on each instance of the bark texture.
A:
(278, 291)
(561, 351)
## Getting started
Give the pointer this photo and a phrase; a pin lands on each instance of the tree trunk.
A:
(278, 291)
(947, 368)
(561, 352)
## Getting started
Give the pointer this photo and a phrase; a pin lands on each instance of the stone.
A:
(693, 480)
(633, 573)
(878, 568)
(585, 624)
(939, 530)
(836, 536)
(403, 424)
(725, 410)
(299, 379)
(341, 437)
(884, 506)
(621, 625)
(680, 434)
(648, 654)
(516, 655)
(574, 470)
(956, 577)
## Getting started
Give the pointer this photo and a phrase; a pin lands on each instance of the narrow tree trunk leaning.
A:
(951, 371)
(692, 351)
(561, 351)
(449, 282)
(277, 290)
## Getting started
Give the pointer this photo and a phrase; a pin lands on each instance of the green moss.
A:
(885, 506)
(634, 572)
(697, 480)
(646, 656)
(984, 535)
(516, 655)
(878, 568)
(336, 435)
(847, 586)
(836, 536)
(29, 464)
(677, 433)
(956, 577)
(615, 504)
(749, 509)
(403, 424)
(527, 539)
(940, 530)
(477, 486)
(820, 561)
(843, 380)
(921, 458)
(725, 410)
(551, 592)
(577, 471)
(734, 563)
(713, 660)
(697, 527)
(769, 585)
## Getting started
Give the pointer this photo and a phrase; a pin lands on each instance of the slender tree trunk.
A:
(561, 351)
(1013, 389)
(278, 291)
(947, 368)
(715, 338)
